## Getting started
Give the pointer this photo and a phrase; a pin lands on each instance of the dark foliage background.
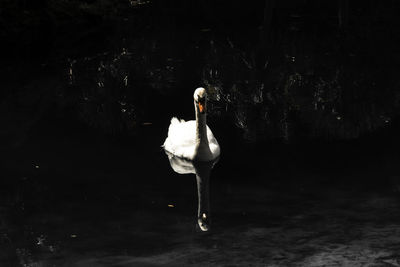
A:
(288, 70)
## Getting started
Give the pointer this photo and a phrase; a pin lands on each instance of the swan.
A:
(193, 140)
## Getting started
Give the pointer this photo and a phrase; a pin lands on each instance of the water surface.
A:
(84, 199)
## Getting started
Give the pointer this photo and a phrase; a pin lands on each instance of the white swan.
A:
(193, 140)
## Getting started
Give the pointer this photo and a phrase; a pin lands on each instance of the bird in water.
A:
(193, 140)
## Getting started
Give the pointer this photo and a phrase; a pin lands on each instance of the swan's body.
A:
(193, 140)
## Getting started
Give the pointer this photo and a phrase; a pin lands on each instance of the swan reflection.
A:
(202, 170)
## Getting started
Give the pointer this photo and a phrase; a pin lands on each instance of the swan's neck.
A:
(202, 149)
(201, 129)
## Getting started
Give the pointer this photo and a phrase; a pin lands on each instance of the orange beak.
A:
(201, 108)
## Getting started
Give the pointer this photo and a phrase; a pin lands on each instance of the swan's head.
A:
(200, 97)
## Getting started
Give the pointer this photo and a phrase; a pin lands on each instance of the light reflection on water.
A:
(202, 171)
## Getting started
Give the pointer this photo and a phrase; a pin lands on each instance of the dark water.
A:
(70, 197)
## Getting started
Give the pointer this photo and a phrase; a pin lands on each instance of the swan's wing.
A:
(213, 143)
(181, 138)
(182, 132)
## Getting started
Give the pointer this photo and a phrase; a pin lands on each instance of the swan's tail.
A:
(175, 120)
